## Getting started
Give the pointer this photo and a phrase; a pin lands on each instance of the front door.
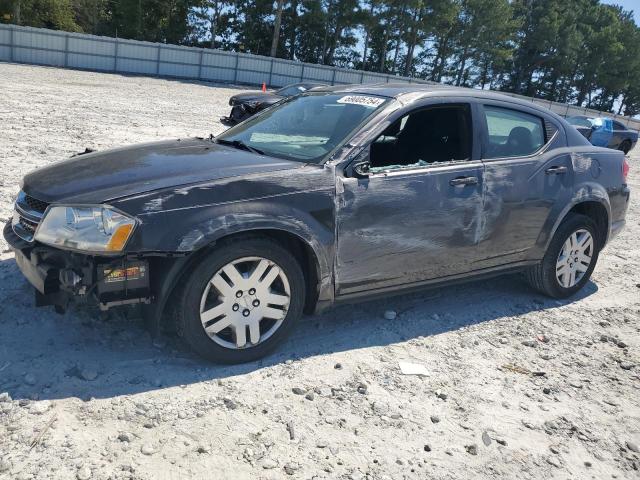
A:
(416, 215)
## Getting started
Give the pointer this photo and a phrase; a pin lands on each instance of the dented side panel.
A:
(183, 220)
(525, 203)
(597, 178)
(407, 226)
(520, 196)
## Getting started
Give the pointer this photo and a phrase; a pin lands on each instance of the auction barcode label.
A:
(362, 100)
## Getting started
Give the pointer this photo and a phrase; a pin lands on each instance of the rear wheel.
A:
(569, 260)
(242, 300)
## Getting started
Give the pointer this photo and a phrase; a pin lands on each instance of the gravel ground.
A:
(518, 386)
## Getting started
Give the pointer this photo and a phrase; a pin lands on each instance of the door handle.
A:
(556, 170)
(463, 181)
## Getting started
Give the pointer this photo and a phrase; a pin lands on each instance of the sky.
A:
(628, 5)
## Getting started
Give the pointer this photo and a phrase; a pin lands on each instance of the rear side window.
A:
(618, 126)
(512, 133)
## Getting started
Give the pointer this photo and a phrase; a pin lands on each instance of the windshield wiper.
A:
(240, 145)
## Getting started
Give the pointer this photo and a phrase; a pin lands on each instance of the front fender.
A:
(211, 225)
(309, 216)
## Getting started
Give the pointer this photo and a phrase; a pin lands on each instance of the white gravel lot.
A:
(91, 396)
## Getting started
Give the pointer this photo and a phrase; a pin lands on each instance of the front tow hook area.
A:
(69, 280)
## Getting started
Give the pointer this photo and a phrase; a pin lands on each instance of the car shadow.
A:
(86, 354)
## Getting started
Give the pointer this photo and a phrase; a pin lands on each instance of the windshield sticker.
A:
(365, 101)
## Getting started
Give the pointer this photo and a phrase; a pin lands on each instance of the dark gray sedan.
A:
(243, 105)
(345, 193)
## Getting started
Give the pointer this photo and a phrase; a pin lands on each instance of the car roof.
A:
(410, 92)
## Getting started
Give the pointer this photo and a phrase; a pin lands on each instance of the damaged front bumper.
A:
(60, 276)
(238, 113)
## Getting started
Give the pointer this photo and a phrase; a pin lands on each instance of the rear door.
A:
(525, 178)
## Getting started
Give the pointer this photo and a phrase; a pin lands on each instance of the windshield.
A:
(291, 90)
(305, 128)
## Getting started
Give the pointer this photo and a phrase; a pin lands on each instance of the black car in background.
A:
(246, 104)
(333, 195)
(605, 132)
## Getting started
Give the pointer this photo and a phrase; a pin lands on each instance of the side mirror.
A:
(361, 165)
(362, 169)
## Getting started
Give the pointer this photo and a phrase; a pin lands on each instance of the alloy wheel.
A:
(574, 258)
(245, 302)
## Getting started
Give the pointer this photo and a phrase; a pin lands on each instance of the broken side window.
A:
(427, 136)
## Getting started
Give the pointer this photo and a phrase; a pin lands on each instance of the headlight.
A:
(92, 229)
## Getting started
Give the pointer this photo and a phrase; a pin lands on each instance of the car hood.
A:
(121, 172)
(262, 97)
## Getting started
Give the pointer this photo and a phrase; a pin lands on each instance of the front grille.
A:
(28, 225)
(35, 204)
(28, 214)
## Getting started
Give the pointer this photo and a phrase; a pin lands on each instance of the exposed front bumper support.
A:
(238, 114)
(38, 275)
(59, 276)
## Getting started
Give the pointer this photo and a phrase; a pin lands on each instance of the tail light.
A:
(625, 169)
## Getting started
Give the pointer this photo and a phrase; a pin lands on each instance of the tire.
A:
(200, 288)
(625, 146)
(543, 277)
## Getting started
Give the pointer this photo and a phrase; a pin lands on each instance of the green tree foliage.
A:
(574, 51)
(484, 35)
(54, 14)
(90, 15)
(152, 20)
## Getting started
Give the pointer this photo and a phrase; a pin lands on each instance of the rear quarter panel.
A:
(597, 177)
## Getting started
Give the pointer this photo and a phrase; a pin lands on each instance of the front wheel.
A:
(570, 258)
(241, 300)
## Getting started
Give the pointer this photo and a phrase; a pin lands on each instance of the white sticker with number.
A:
(363, 100)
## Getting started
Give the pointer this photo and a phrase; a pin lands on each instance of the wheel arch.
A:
(594, 207)
(301, 248)
(598, 213)
(317, 279)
